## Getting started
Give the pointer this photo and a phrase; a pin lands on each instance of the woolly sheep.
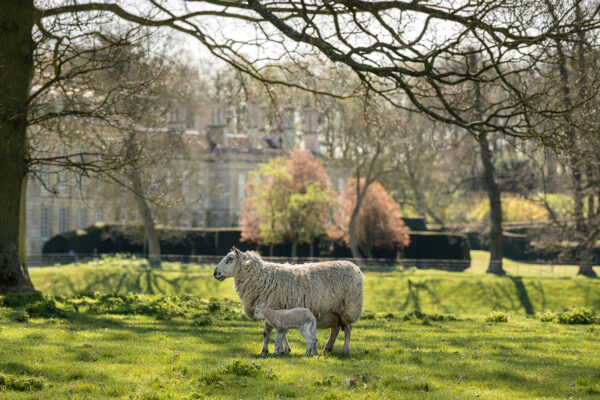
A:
(282, 320)
(331, 290)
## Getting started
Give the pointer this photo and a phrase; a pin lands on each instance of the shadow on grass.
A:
(522, 293)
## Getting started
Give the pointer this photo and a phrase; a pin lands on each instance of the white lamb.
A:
(282, 320)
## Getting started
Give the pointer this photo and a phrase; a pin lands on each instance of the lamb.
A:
(282, 320)
(331, 290)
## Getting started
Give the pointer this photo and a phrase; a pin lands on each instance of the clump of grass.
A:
(236, 369)
(202, 320)
(34, 304)
(497, 316)
(547, 317)
(577, 315)
(326, 381)
(21, 383)
(416, 314)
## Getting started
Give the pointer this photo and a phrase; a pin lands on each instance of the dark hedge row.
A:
(128, 238)
(518, 245)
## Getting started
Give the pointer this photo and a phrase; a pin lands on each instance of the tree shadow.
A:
(522, 293)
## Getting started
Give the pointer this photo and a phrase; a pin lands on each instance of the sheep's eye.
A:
(229, 259)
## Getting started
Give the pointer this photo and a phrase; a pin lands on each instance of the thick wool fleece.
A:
(332, 290)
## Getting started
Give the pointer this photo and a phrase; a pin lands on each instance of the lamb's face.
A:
(228, 265)
(258, 313)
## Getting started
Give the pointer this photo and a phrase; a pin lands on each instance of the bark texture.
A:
(16, 66)
(493, 192)
(154, 254)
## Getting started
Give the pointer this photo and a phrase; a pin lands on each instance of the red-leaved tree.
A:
(287, 200)
(378, 224)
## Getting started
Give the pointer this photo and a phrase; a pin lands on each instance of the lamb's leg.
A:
(331, 341)
(286, 345)
(308, 337)
(266, 338)
(347, 331)
(279, 340)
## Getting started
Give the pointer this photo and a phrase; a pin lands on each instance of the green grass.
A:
(187, 348)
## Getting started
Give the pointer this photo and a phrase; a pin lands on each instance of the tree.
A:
(287, 200)
(392, 46)
(378, 224)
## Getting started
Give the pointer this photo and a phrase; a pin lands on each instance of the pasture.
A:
(177, 333)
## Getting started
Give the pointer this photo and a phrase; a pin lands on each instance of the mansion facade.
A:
(205, 181)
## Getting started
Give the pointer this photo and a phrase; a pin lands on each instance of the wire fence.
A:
(477, 265)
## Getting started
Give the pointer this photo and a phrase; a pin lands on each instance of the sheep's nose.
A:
(215, 274)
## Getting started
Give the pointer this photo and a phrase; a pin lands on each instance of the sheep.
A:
(282, 320)
(331, 290)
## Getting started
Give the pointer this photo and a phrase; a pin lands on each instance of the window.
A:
(62, 220)
(98, 216)
(200, 187)
(61, 181)
(185, 221)
(45, 223)
(44, 177)
(241, 187)
(81, 218)
(185, 184)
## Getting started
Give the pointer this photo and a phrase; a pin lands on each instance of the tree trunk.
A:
(154, 257)
(493, 192)
(294, 248)
(352, 234)
(16, 66)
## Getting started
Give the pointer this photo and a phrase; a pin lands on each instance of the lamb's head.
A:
(229, 265)
(258, 312)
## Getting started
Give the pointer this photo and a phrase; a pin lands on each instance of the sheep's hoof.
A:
(264, 352)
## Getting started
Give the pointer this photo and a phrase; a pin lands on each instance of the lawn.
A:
(179, 334)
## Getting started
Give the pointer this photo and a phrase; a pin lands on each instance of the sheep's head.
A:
(229, 265)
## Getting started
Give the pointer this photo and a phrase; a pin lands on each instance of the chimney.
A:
(256, 124)
(282, 129)
(310, 129)
(215, 130)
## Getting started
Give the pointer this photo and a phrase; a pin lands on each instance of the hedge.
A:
(129, 238)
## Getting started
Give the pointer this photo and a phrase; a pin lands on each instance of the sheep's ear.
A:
(237, 252)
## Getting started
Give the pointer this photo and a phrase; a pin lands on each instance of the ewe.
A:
(282, 320)
(331, 290)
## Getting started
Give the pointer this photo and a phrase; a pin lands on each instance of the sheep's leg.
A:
(266, 338)
(331, 341)
(347, 331)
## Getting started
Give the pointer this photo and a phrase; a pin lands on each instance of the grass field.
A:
(185, 345)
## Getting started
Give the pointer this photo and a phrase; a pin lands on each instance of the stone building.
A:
(205, 179)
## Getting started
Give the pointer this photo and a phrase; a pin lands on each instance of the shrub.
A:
(416, 314)
(547, 317)
(497, 316)
(577, 315)
(514, 209)
(21, 383)
(35, 304)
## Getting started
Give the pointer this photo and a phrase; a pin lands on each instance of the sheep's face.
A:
(228, 265)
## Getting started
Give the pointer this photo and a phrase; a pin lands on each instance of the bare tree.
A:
(392, 46)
